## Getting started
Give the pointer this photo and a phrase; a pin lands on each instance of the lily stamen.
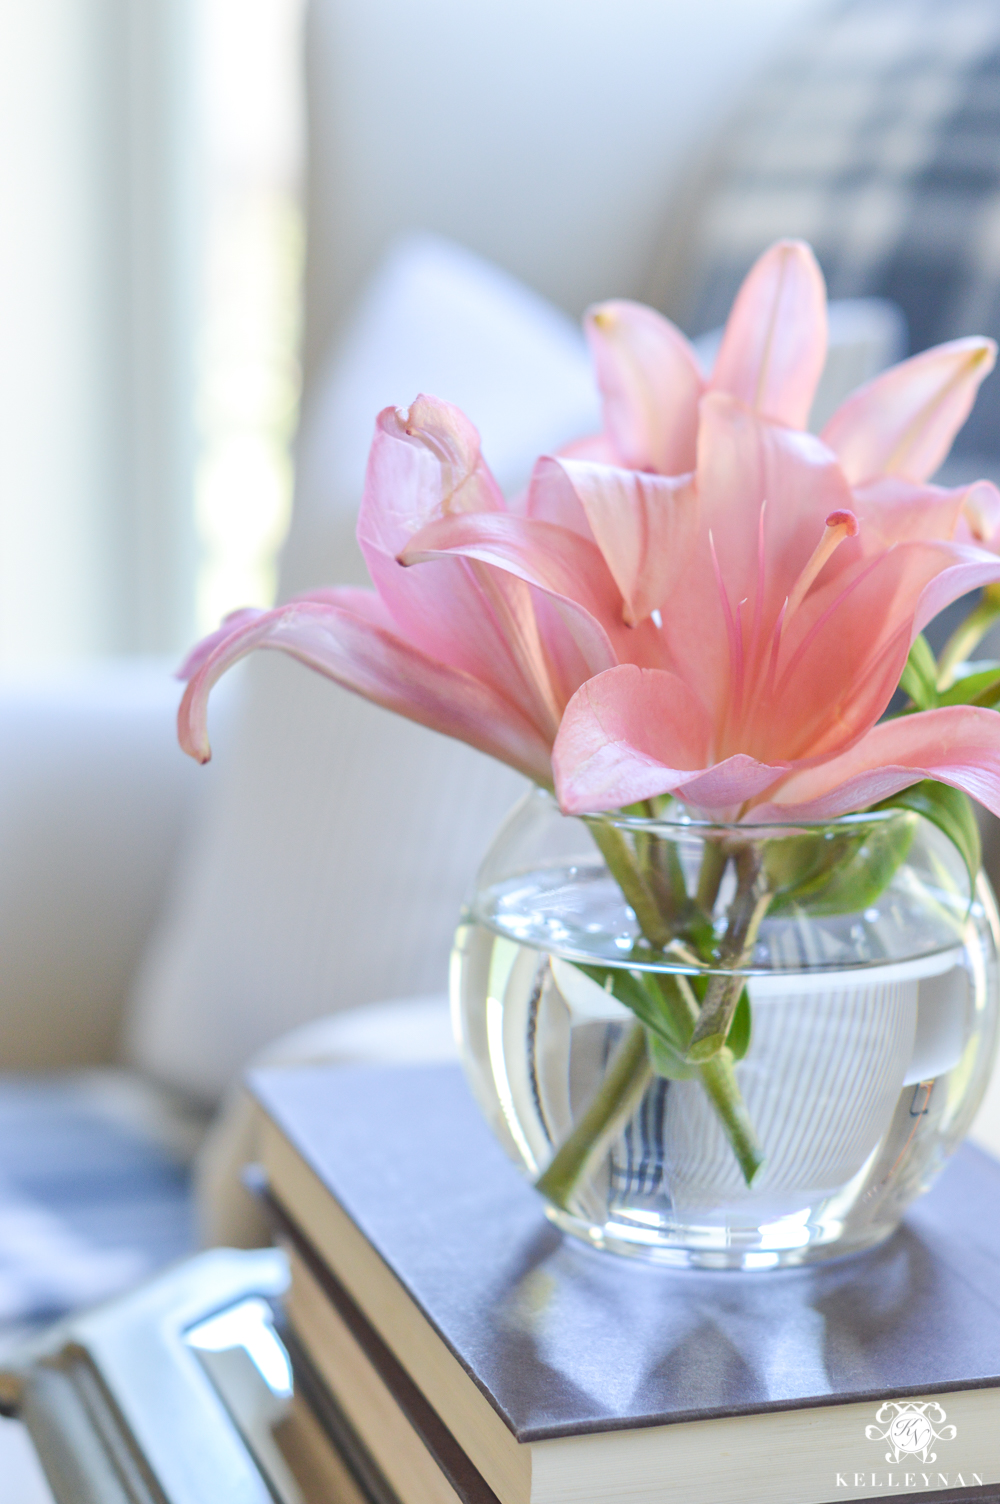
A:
(839, 525)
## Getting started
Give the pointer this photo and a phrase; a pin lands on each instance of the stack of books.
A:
(452, 1345)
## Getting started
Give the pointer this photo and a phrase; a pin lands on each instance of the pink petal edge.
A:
(957, 744)
(903, 421)
(350, 647)
(634, 733)
(774, 346)
(643, 524)
(649, 379)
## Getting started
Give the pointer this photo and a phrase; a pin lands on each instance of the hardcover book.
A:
(561, 1373)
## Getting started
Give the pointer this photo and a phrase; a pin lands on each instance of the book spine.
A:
(355, 1364)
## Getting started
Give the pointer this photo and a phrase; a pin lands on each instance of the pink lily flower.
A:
(900, 424)
(812, 566)
(787, 629)
(482, 646)
(720, 609)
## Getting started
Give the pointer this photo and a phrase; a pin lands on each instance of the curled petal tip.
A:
(192, 732)
(204, 649)
(981, 509)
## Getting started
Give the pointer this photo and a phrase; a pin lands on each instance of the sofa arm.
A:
(403, 1031)
(94, 793)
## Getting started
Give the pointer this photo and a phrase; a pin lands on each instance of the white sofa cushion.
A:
(338, 841)
(93, 803)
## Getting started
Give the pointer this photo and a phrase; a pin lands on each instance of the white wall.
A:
(543, 129)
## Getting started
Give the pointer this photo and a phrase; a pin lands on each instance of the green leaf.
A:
(919, 677)
(837, 872)
(738, 1038)
(794, 864)
(951, 811)
(989, 698)
(667, 1005)
(666, 1016)
(666, 1061)
(980, 686)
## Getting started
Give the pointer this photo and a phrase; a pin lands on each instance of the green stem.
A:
(620, 1092)
(713, 865)
(630, 1071)
(661, 868)
(967, 637)
(615, 851)
(718, 1079)
(716, 1076)
(723, 993)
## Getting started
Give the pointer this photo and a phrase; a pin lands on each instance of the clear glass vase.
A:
(727, 1046)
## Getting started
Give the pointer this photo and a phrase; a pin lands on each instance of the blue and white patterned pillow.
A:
(877, 139)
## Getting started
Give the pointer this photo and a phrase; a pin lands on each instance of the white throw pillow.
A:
(437, 319)
(330, 863)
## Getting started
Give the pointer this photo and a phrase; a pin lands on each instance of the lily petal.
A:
(650, 382)
(597, 447)
(424, 462)
(980, 522)
(969, 569)
(958, 745)
(206, 647)
(644, 525)
(774, 346)
(551, 497)
(891, 509)
(764, 493)
(366, 603)
(633, 733)
(345, 641)
(903, 421)
(425, 465)
(566, 566)
(847, 648)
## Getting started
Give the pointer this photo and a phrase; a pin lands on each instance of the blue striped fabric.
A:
(877, 139)
(94, 1190)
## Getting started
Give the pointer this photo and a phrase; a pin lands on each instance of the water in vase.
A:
(861, 1074)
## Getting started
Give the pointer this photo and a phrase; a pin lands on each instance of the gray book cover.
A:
(563, 1339)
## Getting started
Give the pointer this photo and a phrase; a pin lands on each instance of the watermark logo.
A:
(911, 1429)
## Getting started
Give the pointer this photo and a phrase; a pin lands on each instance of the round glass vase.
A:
(726, 1046)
